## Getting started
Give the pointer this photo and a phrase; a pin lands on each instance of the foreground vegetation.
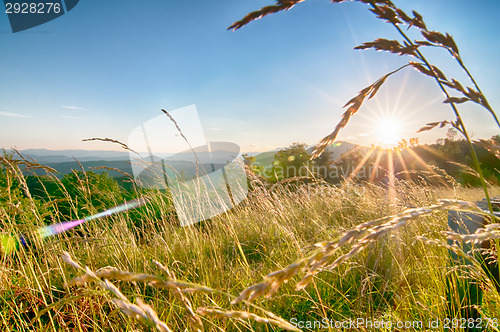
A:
(396, 277)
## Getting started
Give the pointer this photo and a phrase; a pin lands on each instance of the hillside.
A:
(336, 150)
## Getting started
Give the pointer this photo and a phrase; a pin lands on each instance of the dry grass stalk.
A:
(490, 145)
(488, 233)
(155, 281)
(69, 260)
(176, 124)
(141, 311)
(453, 248)
(165, 269)
(281, 5)
(361, 236)
(432, 125)
(255, 178)
(271, 283)
(276, 321)
(375, 233)
(31, 164)
(123, 145)
(114, 290)
(284, 182)
(432, 71)
(193, 319)
(179, 288)
(354, 104)
(396, 16)
(392, 46)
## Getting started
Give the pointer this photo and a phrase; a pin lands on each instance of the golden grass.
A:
(344, 248)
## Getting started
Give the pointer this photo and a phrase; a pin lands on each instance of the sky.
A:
(107, 66)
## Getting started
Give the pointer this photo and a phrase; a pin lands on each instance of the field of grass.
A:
(396, 277)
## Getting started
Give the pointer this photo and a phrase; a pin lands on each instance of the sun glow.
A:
(389, 132)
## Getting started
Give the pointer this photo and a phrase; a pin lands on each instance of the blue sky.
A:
(109, 65)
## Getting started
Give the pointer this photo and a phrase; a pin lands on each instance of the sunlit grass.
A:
(397, 278)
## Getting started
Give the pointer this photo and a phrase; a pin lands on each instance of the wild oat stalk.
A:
(193, 319)
(123, 145)
(360, 236)
(488, 233)
(277, 321)
(147, 315)
(354, 105)
(281, 5)
(139, 311)
(451, 247)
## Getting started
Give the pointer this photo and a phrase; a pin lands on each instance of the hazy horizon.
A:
(124, 151)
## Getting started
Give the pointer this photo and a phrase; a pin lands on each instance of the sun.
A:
(389, 132)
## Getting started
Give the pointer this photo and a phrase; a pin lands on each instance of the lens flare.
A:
(64, 226)
(10, 243)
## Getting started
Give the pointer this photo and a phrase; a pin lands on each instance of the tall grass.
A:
(191, 277)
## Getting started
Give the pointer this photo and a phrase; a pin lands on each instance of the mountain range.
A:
(64, 161)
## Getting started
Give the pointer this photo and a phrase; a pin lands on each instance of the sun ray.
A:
(360, 164)
(376, 165)
(391, 178)
(435, 153)
(421, 161)
(403, 164)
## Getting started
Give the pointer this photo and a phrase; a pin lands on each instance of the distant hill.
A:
(221, 152)
(336, 150)
(74, 153)
(265, 158)
(45, 156)
(66, 167)
(64, 161)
